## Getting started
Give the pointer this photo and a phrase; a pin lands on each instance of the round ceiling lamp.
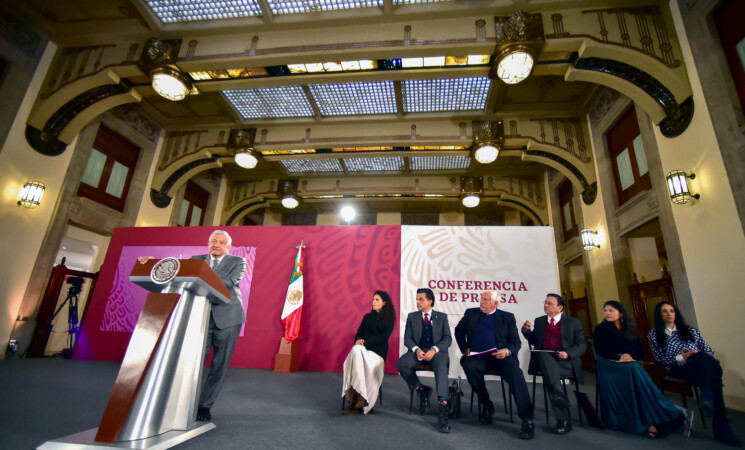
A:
(348, 213)
(515, 64)
(170, 83)
(246, 158)
(486, 153)
(290, 202)
(471, 200)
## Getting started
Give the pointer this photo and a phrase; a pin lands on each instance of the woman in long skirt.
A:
(363, 368)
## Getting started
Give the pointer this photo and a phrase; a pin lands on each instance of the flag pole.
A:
(286, 359)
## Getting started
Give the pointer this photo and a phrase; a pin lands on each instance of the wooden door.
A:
(579, 308)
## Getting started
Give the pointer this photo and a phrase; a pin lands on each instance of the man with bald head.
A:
(488, 339)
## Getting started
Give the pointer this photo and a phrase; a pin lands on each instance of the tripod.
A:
(73, 327)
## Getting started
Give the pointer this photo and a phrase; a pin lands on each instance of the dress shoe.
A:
(562, 427)
(203, 415)
(443, 419)
(527, 431)
(424, 393)
(486, 410)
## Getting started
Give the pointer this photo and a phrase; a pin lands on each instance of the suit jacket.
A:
(230, 270)
(572, 341)
(505, 330)
(440, 330)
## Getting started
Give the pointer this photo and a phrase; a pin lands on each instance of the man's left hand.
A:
(430, 354)
(563, 355)
(500, 354)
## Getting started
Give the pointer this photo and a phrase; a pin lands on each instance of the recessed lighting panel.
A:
(296, 6)
(375, 164)
(439, 162)
(445, 94)
(349, 99)
(312, 165)
(268, 103)
(169, 11)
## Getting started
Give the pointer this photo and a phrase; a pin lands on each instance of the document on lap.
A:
(546, 351)
(495, 349)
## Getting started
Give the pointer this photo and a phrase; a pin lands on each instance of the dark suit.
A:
(440, 362)
(225, 326)
(505, 331)
(554, 369)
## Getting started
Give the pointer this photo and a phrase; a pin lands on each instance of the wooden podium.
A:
(154, 399)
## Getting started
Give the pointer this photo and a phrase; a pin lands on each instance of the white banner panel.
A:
(459, 263)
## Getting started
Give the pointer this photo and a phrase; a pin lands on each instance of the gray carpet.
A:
(46, 399)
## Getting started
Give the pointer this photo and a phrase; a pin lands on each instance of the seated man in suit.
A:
(493, 335)
(225, 318)
(427, 336)
(555, 331)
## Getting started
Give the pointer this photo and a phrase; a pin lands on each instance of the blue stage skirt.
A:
(631, 402)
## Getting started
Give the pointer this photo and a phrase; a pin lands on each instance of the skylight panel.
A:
(439, 162)
(169, 11)
(445, 94)
(268, 103)
(295, 6)
(375, 164)
(312, 165)
(417, 2)
(348, 99)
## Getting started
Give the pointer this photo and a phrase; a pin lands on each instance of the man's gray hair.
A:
(225, 233)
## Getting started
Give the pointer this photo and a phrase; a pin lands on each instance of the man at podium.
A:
(225, 319)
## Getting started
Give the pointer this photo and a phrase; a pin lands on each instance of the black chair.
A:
(572, 378)
(504, 394)
(684, 386)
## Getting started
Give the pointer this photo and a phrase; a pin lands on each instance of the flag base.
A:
(286, 359)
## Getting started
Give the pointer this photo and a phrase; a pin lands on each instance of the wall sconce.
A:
(241, 141)
(590, 239)
(159, 61)
(287, 191)
(31, 194)
(677, 186)
(471, 189)
(519, 41)
(488, 140)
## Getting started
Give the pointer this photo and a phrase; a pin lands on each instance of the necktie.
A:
(426, 319)
(215, 263)
(552, 322)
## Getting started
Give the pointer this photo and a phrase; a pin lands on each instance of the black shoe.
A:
(444, 413)
(562, 427)
(527, 431)
(486, 410)
(203, 415)
(424, 393)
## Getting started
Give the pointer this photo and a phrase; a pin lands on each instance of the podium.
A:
(154, 400)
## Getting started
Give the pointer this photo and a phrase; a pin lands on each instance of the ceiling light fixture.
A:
(519, 41)
(287, 191)
(246, 158)
(241, 142)
(471, 189)
(488, 140)
(347, 214)
(170, 83)
(290, 202)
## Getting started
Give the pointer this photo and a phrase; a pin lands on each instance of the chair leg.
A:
(698, 402)
(411, 401)
(545, 399)
(579, 410)
(510, 397)
(504, 398)
(533, 394)
(343, 400)
(380, 395)
(471, 408)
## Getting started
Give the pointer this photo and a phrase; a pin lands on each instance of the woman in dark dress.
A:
(685, 354)
(629, 399)
(363, 368)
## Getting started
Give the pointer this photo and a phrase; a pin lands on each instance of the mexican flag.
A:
(294, 299)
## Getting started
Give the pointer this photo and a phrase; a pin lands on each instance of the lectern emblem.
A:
(294, 297)
(165, 270)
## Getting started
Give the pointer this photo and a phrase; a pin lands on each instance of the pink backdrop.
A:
(344, 265)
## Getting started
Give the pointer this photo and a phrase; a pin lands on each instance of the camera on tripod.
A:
(76, 285)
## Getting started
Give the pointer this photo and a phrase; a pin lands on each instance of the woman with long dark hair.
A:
(363, 368)
(685, 354)
(629, 399)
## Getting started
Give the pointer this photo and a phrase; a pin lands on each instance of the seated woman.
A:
(629, 399)
(363, 368)
(686, 355)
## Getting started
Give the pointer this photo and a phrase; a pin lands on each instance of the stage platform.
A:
(45, 399)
